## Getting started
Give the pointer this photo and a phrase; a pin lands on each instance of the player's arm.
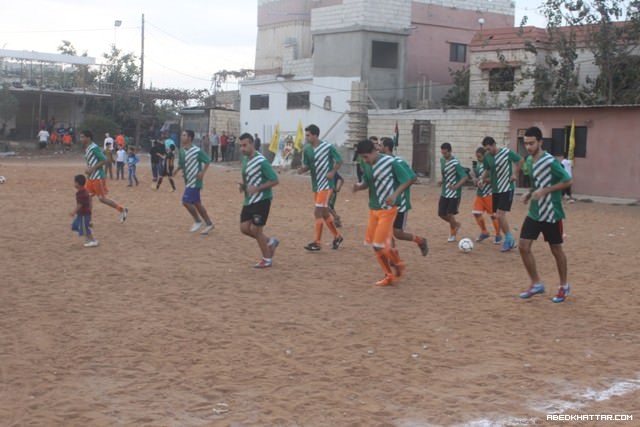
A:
(339, 184)
(337, 162)
(359, 186)
(76, 210)
(517, 166)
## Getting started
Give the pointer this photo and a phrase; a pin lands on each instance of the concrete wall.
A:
(390, 14)
(463, 129)
(611, 167)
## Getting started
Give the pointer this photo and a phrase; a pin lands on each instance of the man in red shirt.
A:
(224, 143)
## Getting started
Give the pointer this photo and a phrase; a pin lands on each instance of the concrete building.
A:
(607, 158)
(314, 58)
(503, 61)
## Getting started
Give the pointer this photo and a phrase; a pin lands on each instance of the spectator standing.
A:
(215, 143)
(224, 141)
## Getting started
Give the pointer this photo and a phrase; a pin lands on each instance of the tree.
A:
(611, 30)
(82, 75)
(8, 106)
(458, 94)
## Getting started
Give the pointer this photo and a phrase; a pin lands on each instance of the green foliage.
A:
(458, 94)
(99, 125)
(612, 29)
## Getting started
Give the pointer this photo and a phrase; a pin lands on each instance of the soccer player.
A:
(323, 161)
(400, 223)
(545, 214)
(194, 164)
(258, 178)
(483, 201)
(499, 166)
(386, 180)
(97, 183)
(453, 178)
(82, 222)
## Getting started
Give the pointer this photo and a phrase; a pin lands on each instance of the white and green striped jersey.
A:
(452, 173)
(255, 172)
(191, 162)
(545, 172)
(94, 155)
(485, 188)
(382, 178)
(405, 196)
(320, 161)
(501, 169)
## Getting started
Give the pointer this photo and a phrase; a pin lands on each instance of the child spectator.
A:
(132, 161)
(82, 212)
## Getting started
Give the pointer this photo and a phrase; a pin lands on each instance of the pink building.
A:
(607, 161)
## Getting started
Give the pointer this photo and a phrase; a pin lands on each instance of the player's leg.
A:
(386, 255)
(205, 216)
(553, 235)
(530, 232)
(98, 187)
(502, 203)
(478, 210)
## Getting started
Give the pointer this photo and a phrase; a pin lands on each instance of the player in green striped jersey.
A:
(545, 215)
(323, 161)
(502, 167)
(453, 178)
(258, 178)
(386, 180)
(483, 201)
(194, 164)
(400, 223)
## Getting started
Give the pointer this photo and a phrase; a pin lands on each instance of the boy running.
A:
(194, 164)
(386, 180)
(499, 167)
(545, 215)
(323, 160)
(483, 201)
(82, 212)
(453, 178)
(400, 223)
(258, 177)
(97, 183)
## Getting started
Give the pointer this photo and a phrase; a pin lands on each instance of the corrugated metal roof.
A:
(47, 57)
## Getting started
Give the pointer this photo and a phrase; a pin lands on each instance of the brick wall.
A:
(463, 129)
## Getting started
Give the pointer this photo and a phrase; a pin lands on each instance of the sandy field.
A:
(161, 327)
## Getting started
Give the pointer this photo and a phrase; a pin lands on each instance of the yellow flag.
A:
(275, 140)
(572, 141)
(297, 144)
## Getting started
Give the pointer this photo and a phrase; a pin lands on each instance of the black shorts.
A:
(448, 206)
(257, 213)
(552, 231)
(401, 220)
(502, 201)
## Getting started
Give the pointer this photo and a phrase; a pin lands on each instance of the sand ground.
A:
(161, 327)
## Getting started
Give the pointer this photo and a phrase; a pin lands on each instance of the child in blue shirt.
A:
(132, 161)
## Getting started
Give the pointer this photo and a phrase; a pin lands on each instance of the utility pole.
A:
(141, 90)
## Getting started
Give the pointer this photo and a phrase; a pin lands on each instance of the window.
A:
(298, 101)
(384, 54)
(259, 102)
(457, 52)
(560, 144)
(501, 79)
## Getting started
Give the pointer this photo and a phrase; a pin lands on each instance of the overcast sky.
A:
(185, 41)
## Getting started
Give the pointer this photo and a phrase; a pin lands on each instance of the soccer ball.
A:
(465, 245)
(3, 179)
